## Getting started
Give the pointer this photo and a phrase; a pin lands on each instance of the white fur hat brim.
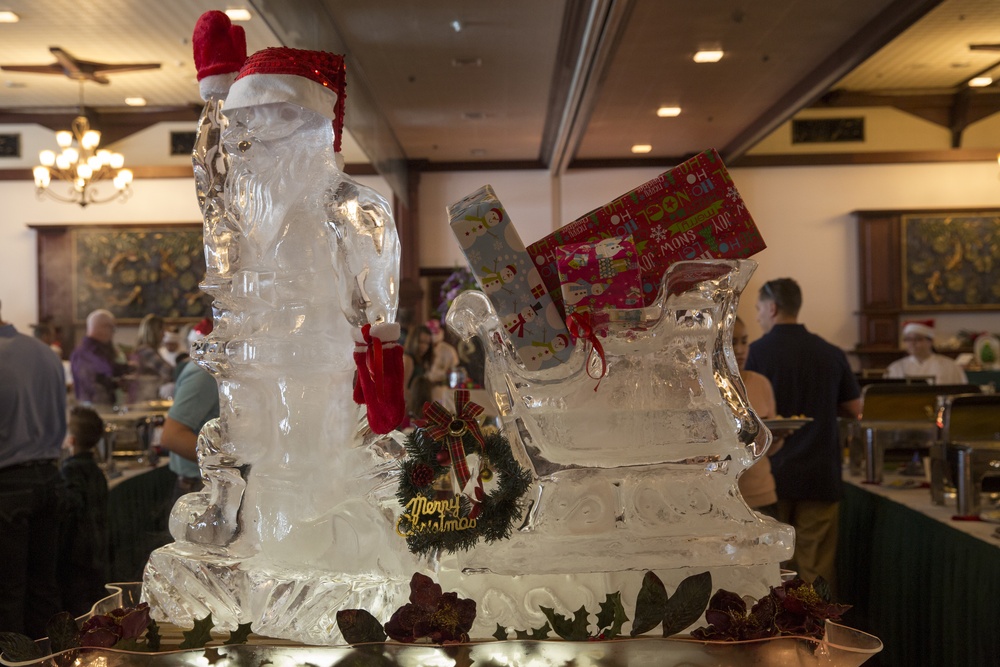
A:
(216, 85)
(918, 329)
(256, 89)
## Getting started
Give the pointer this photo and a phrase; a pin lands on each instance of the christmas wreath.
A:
(446, 504)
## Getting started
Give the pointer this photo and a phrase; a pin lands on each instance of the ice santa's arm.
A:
(368, 250)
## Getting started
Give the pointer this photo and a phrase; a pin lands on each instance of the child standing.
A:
(84, 552)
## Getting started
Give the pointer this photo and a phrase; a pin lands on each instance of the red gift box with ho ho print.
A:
(692, 211)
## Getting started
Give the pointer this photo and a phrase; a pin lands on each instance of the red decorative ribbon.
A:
(374, 362)
(579, 327)
(450, 428)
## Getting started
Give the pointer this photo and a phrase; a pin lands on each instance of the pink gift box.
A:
(599, 276)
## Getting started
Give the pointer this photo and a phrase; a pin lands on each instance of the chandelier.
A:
(80, 165)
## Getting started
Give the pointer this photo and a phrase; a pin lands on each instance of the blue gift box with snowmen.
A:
(506, 274)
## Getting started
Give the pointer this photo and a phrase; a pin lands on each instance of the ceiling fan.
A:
(79, 70)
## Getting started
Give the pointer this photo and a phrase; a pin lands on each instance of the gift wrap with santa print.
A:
(599, 277)
(504, 271)
(692, 211)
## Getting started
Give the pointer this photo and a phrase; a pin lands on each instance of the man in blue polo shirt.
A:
(32, 430)
(810, 377)
(196, 401)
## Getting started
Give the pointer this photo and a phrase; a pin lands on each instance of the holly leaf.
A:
(153, 636)
(359, 627)
(501, 633)
(16, 647)
(688, 603)
(199, 635)
(62, 632)
(537, 633)
(612, 616)
(240, 635)
(212, 655)
(572, 630)
(650, 604)
(130, 644)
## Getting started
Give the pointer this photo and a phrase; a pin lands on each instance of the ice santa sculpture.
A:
(296, 521)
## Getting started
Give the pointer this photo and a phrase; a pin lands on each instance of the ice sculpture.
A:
(638, 475)
(295, 521)
(298, 517)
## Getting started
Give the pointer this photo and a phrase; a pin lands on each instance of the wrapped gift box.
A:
(692, 211)
(598, 277)
(506, 275)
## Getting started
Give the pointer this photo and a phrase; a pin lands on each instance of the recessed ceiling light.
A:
(641, 148)
(980, 81)
(467, 62)
(668, 112)
(456, 26)
(708, 56)
(135, 101)
(478, 152)
(9, 17)
(238, 14)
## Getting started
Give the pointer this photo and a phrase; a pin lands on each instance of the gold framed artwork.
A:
(951, 261)
(134, 271)
(130, 270)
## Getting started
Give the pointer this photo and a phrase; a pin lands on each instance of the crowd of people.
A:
(53, 509)
(54, 534)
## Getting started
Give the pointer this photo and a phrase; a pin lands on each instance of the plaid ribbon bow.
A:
(450, 428)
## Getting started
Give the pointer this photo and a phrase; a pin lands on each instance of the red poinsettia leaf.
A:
(727, 601)
(95, 622)
(466, 613)
(424, 592)
(135, 621)
(100, 637)
(400, 625)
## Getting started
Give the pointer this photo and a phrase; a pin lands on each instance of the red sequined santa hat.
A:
(923, 328)
(314, 80)
(220, 49)
(201, 329)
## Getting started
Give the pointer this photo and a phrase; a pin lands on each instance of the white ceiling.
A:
(547, 82)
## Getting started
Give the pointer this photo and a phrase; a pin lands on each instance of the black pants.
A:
(29, 546)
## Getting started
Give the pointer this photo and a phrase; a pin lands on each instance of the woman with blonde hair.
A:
(151, 371)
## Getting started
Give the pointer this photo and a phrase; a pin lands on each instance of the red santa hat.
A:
(201, 330)
(923, 328)
(220, 49)
(314, 80)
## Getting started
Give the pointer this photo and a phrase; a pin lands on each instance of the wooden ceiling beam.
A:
(114, 123)
(954, 110)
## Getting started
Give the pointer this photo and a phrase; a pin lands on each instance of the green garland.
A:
(499, 509)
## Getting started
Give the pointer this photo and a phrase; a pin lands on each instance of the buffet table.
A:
(927, 586)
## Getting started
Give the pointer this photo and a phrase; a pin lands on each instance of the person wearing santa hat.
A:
(923, 361)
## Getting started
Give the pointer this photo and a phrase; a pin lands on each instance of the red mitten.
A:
(379, 386)
(220, 48)
(360, 360)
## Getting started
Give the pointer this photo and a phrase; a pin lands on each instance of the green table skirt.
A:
(929, 592)
(138, 519)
